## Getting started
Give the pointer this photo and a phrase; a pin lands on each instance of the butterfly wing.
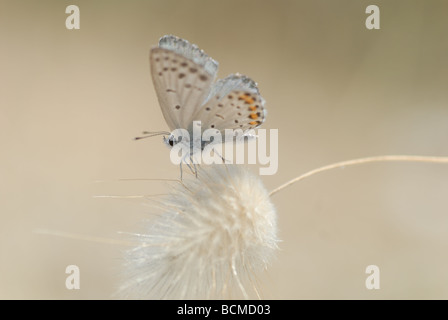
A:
(182, 76)
(233, 103)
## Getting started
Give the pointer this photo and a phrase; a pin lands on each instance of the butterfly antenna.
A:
(148, 134)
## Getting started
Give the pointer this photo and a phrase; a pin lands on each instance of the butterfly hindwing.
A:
(233, 103)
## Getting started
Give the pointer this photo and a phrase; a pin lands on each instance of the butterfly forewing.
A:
(182, 76)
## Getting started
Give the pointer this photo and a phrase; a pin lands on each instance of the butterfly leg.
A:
(189, 166)
(195, 170)
(223, 159)
(180, 165)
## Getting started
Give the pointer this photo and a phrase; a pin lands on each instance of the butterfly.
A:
(184, 81)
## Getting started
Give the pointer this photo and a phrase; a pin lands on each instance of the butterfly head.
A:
(173, 139)
(183, 138)
(169, 141)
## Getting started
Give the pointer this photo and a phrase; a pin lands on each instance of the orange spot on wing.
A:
(253, 123)
(246, 99)
(252, 108)
(253, 116)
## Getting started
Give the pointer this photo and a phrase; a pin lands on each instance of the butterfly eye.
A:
(171, 142)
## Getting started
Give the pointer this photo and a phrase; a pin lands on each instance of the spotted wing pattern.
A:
(233, 103)
(182, 76)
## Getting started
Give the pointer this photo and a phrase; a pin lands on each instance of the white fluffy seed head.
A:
(214, 234)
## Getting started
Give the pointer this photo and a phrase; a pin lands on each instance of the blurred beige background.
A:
(72, 100)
